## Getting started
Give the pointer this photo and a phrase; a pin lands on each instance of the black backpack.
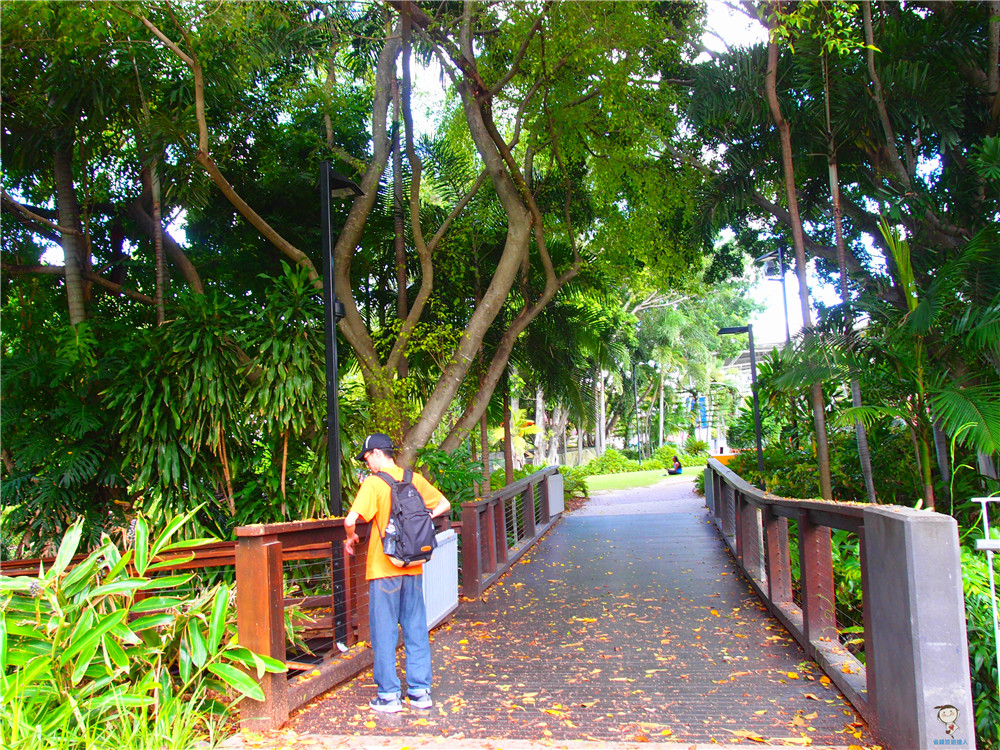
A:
(410, 537)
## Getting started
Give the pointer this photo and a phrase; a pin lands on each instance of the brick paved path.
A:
(628, 622)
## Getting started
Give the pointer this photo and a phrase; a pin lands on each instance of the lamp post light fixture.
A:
(768, 259)
(332, 185)
(748, 329)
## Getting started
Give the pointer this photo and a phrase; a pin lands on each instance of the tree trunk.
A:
(137, 212)
(69, 217)
(941, 452)
(398, 214)
(661, 411)
(161, 274)
(539, 458)
(484, 442)
(861, 434)
(784, 132)
(600, 430)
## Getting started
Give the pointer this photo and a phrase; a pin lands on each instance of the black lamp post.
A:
(332, 185)
(748, 329)
(635, 398)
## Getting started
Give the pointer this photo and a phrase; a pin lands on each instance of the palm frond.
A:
(970, 414)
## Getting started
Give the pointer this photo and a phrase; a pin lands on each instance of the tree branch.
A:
(88, 275)
(12, 205)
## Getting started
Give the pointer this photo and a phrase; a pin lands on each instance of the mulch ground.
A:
(628, 622)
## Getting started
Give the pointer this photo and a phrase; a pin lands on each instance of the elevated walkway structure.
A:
(628, 622)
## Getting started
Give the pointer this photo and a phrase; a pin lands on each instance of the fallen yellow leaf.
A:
(743, 734)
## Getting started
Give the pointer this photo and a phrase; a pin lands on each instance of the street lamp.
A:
(332, 185)
(635, 397)
(748, 329)
(768, 259)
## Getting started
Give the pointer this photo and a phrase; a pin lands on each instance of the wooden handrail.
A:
(912, 600)
(486, 550)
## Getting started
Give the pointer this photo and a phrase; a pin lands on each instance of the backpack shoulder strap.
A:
(385, 478)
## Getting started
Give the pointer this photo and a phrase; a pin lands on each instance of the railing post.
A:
(528, 503)
(499, 549)
(358, 588)
(718, 482)
(710, 489)
(750, 534)
(543, 498)
(471, 546)
(261, 625)
(728, 499)
(871, 678)
(919, 650)
(738, 508)
(816, 566)
(779, 572)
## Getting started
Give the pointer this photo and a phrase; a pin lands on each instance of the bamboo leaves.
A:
(83, 657)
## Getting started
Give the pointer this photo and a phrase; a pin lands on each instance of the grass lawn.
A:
(637, 478)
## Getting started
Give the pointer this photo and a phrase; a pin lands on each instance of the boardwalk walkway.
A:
(627, 623)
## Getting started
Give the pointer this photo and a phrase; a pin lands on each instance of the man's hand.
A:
(349, 544)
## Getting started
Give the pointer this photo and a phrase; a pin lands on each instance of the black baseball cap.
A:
(376, 441)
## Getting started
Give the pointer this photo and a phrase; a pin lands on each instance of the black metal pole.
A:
(330, 315)
(337, 572)
(756, 404)
(784, 296)
(635, 397)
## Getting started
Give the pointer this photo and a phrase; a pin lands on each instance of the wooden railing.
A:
(500, 528)
(494, 533)
(915, 648)
(259, 556)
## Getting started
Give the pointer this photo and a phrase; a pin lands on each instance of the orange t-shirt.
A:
(374, 501)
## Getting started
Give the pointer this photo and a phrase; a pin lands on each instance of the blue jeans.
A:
(394, 602)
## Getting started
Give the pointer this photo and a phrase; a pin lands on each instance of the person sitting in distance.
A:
(677, 468)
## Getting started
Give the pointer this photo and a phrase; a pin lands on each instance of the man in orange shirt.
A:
(395, 595)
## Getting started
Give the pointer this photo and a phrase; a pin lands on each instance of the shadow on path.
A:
(627, 623)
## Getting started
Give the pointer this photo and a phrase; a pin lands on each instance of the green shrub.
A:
(498, 479)
(982, 647)
(453, 473)
(574, 482)
(85, 662)
(693, 446)
(699, 483)
(611, 462)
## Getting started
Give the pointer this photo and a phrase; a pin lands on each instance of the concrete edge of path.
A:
(291, 740)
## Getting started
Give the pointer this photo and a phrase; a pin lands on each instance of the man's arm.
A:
(349, 524)
(441, 508)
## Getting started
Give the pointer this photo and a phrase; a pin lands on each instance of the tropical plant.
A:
(982, 647)
(453, 473)
(91, 647)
